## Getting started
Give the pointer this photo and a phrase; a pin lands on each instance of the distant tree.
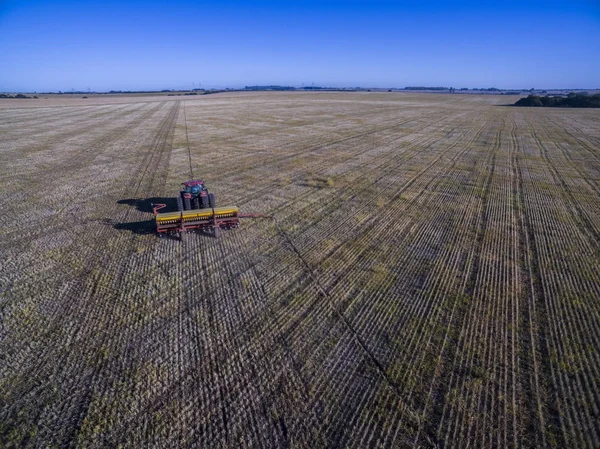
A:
(531, 100)
(571, 101)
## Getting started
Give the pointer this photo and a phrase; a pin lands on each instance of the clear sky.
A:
(121, 45)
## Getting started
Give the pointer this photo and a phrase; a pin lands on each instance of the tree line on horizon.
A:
(573, 100)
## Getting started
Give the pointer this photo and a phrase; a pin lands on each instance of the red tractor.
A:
(207, 217)
(195, 196)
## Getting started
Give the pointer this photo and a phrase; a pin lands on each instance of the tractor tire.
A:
(196, 203)
(187, 204)
(205, 202)
(211, 200)
(179, 203)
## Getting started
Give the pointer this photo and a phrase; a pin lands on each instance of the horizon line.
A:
(266, 87)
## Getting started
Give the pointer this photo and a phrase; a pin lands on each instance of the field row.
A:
(429, 278)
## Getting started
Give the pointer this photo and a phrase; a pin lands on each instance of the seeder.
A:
(196, 214)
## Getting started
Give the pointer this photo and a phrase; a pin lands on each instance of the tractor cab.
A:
(194, 190)
(195, 196)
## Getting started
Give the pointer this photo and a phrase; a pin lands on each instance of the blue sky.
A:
(113, 45)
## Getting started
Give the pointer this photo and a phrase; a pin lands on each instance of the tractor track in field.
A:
(557, 315)
(59, 222)
(371, 176)
(579, 136)
(275, 212)
(165, 324)
(144, 163)
(159, 146)
(155, 157)
(399, 192)
(60, 140)
(72, 113)
(472, 264)
(315, 148)
(536, 394)
(53, 223)
(367, 232)
(187, 141)
(458, 312)
(63, 219)
(307, 151)
(587, 226)
(208, 292)
(422, 276)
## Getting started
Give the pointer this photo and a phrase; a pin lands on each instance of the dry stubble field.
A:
(433, 277)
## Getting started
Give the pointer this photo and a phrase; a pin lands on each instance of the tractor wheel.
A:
(196, 203)
(179, 203)
(205, 202)
(211, 200)
(187, 203)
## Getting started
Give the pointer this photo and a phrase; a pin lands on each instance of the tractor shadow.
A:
(144, 205)
(149, 226)
(136, 227)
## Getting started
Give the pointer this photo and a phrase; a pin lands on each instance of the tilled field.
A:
(431, 278)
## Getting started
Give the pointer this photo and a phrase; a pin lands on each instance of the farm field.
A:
(431, 277)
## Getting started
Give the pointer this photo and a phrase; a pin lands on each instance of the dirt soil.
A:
(432, 277)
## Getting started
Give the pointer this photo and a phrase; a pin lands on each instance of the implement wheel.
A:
(217, 232)
(211, 200)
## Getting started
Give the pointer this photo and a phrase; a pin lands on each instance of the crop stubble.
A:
(431, 279)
